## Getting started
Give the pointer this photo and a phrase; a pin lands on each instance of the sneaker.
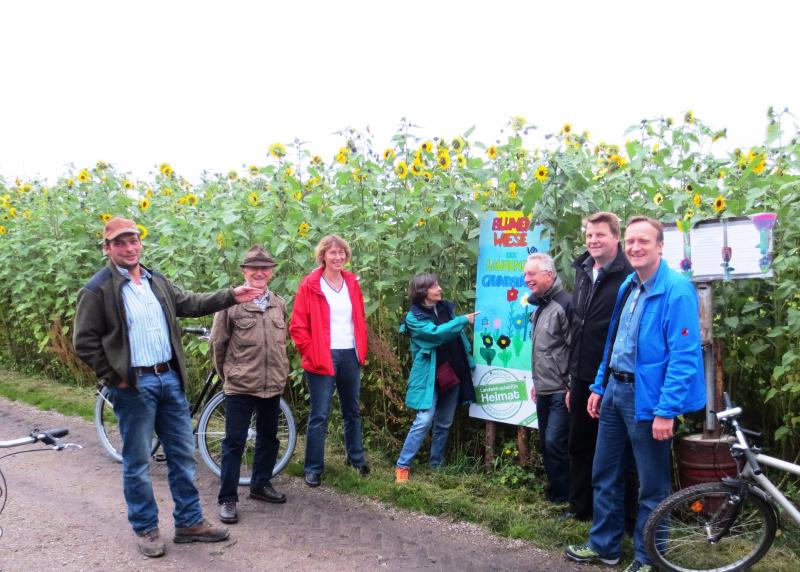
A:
(585, 553)
(201, 532)
(267, 493)
(228, 513)
(402, 474)
(637, 566)
(150, 543)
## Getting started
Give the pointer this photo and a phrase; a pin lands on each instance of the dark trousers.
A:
(553, 422)
(239, 410)
(582, 441)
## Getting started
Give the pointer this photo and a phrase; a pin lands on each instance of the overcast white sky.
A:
(210, 85)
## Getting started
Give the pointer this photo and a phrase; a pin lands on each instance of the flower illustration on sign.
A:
(512, 294)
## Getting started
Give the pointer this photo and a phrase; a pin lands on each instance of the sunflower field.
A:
(406, 207)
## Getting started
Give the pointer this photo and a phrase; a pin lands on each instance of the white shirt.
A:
(342, 331)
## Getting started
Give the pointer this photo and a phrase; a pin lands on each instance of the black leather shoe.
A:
(267, 493)
(363, 470)
(313, 480)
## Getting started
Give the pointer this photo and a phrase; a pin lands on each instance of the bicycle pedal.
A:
(159, 457)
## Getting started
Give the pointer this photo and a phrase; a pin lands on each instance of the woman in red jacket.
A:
(329, 328)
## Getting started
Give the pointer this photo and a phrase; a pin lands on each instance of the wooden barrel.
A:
(703, 460)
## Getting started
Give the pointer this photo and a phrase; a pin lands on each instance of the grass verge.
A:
(46, 394)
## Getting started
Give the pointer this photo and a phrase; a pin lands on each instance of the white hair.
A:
(545, 262)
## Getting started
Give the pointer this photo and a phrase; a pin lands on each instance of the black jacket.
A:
(592, 305)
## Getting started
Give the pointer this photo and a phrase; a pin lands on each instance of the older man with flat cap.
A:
(126, 330)
(249, 351)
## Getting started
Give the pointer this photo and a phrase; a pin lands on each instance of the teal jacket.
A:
(426, 336)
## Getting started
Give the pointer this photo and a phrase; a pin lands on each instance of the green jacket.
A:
(100, 333)
(426, 336)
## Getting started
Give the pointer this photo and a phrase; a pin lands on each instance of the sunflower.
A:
(253, 199)
(518, 123)
(303, 229)
(697, 200)
(105, 217)
(3, 230)
(688, 117)
(658, 198)
(388, 154)
(127, 184)
(427, 175)
(461, 160)
(191, 199)
(719, 204)
(316, 160)
(492, 151)
(253, 170)
(457, 144)
(427, 146)
(12, 212)
(341, 157)
(220, 240)
(165, 169)
(401, 169)
(277, 150)
(721, 174)
(142, 231)
(166, 191)
(512, 189)
(70, 183)
(566, 129)
(84, 176)
(760, 166)
(541, 173)
(444, 160)
(688, 215)
(617, 161)
(416, 168)
(144, 204)
(298, 196)
(421, 222)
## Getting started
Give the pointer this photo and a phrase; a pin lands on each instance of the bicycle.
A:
(47, 437)
(210, 429)
(727, 525)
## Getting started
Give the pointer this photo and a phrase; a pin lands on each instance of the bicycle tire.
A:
(676, 534)
(211, 432)
(107, 429)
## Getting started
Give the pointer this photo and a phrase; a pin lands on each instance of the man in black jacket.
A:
(598, 274)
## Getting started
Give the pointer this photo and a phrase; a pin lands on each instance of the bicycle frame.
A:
(762, 481)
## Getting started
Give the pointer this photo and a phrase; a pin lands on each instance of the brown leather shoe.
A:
(150, 543)
(201, 532)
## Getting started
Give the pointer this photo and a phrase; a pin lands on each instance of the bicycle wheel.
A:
(107, 428)
(711, 526)
(211, 432)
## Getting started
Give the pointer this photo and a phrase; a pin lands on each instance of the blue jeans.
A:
(653, 464)
(238, 412)
(440, 417)
(553, 420)
(346, 379)
(158, 403)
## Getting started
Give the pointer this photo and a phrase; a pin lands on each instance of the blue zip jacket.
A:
(426, 336)
(669, 378)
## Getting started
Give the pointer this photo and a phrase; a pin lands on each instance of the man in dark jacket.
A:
(551, 342)
(126, 330)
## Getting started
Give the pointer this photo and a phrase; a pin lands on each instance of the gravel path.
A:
(66, 512)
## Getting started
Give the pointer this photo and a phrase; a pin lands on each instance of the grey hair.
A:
(545, 262)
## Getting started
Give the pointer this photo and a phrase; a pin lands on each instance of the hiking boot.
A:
(150, 543)
(585, 553)
(228, 513)
(200, 532)
(402, 475)
(637, 566)
(267, 493)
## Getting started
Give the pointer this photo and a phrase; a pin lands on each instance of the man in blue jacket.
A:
(642, 387)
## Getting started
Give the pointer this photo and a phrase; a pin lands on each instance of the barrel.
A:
(702, 460)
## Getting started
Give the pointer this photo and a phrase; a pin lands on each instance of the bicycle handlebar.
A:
(730, 415)
(47, 437)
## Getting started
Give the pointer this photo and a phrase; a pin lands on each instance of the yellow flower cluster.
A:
(303, 228)
(166, 170)
(341, 156)
(277, 150)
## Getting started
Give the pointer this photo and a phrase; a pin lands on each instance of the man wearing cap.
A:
(126, 330)
(248, 346)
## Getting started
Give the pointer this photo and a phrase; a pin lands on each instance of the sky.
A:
(210, 85)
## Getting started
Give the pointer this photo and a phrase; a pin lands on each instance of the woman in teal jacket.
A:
(438, 345)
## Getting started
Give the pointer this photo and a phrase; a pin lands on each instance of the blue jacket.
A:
(669, 374)
(426, 336)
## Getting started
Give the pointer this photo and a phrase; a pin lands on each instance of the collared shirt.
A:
(148, 333)
(623, 357)
(262, 301)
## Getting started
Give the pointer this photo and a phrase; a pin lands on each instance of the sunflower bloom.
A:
(12, 212)
(220, 240)
(760, 166)
(427, 146)
(457, 144)
(70, 183)
(422, 222)
(427, 175)
(84, 176)
(689, 214)
(541, 173)
(461, 160)
(512, 189)
(697, 200)
(144, 204)
(253, 170)
(142, 231)
(166, 191)
(105, 217)
(617, 161)
(566, 129)
(401, 170)
(719, 204)
(277, 150)
(3, 230)
(253, 199)
(688, 117)
(492, 152)
(388, 154)
(518, 123)
(443, 160)
(191, 199)
(341, 156)
(165, 169)
(303, 229)
(316, 160)
(127, 184)
(658, 198)
(416, 168)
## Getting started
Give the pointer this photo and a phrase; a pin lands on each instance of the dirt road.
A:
(65, 511)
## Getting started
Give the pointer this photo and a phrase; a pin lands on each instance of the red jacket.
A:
(310, 326)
